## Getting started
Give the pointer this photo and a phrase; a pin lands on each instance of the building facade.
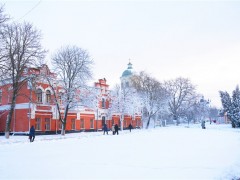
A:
(35, 106)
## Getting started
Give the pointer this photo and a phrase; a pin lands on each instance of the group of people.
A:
(105, 130)
(114, 129)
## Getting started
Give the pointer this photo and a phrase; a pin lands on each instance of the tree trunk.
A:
(176, 119)
(154, 122)
(148, 122)
(7, 133)
(9, 118)
(64, 120)
(63, 129)
(122, 118)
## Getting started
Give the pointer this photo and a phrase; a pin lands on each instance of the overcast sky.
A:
(199, 40)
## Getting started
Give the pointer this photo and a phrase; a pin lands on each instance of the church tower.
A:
(126, 75)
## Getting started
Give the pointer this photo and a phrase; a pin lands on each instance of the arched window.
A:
(39, 95)
(48, 96)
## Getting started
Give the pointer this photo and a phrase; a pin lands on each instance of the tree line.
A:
(173, 100)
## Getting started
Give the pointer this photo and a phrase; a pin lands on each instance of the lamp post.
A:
(56, 110)
(97, 120)
(30, 100)
(56, 119)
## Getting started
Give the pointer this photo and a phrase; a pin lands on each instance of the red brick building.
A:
(35, 106)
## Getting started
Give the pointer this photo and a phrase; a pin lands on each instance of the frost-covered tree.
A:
(20, 48)
(73, 67)
(152, 93)
(231, 106)
(236, 107)
(227, 105)
(91, 97)
(116, 104)
(124, 101)
(182, 96)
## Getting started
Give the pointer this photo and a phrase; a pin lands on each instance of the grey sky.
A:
(168, 39)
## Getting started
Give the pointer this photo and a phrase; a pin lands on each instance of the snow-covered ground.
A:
(162, 153)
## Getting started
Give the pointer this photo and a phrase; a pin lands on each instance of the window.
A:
(25, 71)
(60, 98)
(10, 96)
(47, 124)
(82, 123)
(103, 103)
(38, 124)
(91, 124)
(39, 95)
(0, 96)
(125, 122)
(60, 125)
(103, 120)
(48, 96)
(73, 124)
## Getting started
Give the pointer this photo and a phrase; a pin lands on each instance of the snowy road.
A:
(163, 153)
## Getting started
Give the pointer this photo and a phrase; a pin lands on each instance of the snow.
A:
(173, 152)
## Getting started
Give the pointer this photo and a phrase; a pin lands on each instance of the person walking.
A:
(113, 130)
(116, 129)
(105, 129)
(203, 125)
(32, 134)
(130, 127)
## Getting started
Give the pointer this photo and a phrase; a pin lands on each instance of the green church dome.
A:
(128, 71)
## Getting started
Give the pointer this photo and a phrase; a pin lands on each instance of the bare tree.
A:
(152, 93)
(73, 67)
(182, 96)
(3, 17)
(19, 48)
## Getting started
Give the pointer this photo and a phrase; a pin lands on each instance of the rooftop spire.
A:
(128, 71)
(129, 64)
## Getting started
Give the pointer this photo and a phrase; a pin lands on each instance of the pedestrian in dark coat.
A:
(203, 125)
(105, 129)
(32, 134)
(130, 127)
(116, 129)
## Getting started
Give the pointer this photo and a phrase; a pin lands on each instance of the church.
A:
(35, 106)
